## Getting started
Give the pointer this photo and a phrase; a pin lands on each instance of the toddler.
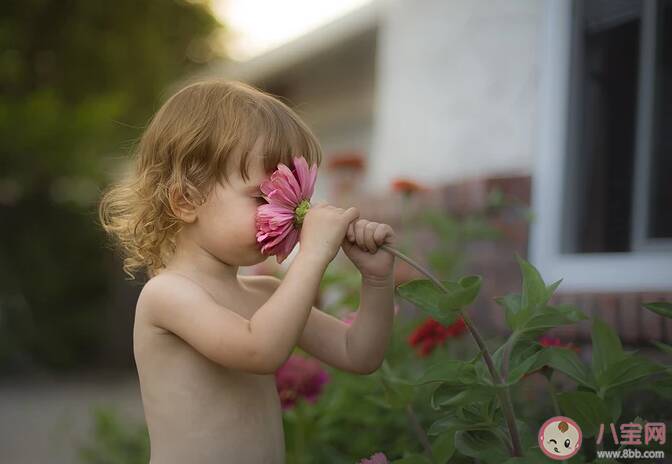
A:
(207, 340)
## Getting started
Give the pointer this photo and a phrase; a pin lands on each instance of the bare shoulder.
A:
(167, 290)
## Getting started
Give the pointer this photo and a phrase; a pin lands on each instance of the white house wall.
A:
(456, 90)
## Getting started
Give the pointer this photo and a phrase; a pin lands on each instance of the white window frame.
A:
(644, 269)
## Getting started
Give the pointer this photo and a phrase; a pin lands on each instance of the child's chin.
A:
(258, 257)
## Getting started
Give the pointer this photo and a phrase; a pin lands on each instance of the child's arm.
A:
(369, 334)
(359, 348)
(364, 343)
(263, 343)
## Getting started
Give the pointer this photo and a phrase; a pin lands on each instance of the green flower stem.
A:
(419, 431)
(407, 239)
(415, 423)
(553, 392)
(503, 394)
(506, 355)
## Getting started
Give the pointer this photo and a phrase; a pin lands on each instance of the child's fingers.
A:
(369, 235)
(369, 230)
(359, 233)
(351, 232)
(382, 232)
(364, 233)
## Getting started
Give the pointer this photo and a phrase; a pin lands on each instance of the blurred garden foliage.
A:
(78, 82)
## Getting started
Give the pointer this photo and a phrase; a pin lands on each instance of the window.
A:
(602, 187)
(616, 197)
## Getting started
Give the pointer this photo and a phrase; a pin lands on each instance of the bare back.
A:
(200, 412)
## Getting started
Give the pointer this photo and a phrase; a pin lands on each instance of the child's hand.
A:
(361, 245)
(324, 228)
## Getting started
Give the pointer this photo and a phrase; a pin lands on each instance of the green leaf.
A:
(586, 408)
(551, 316)
(550, 290)
(522, 349)
(477, 412)
(450, 371)
(430, 299)
(627, 371)
(481, 444)
(662, 386)
(528, 460)
(663, 308)
(413, 459)
(535, 294)
(663, 347)
(607, 348)
(528, 438)
(458, 298)
(378, 401)
(446, 395)
(443, 446)
(532, 454)
(512, 306)
(397, 392)
(452, 421)
(519, 369)
(614, 402)
(567, 362)
(534, 288)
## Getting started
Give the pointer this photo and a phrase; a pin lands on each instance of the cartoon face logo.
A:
(560, 438)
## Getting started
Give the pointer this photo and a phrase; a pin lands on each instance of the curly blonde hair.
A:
(184, 151)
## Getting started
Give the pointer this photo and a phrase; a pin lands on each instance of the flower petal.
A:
(302, 175)
(286, 182)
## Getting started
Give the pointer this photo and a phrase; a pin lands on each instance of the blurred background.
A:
(477, 129)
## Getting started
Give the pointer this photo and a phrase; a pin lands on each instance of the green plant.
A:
(115, 442)
(365, 403)
(476, 415)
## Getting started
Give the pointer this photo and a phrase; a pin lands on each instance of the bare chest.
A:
(195, 407)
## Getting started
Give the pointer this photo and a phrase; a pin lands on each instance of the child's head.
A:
(195, 167)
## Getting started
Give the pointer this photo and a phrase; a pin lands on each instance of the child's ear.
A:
(182, 204)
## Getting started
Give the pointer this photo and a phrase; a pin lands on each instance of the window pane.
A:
(660, 216)
(602, 125)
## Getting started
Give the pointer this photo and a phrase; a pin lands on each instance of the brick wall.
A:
(495, 260)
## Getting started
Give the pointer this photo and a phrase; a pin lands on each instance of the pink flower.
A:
(300, 377)
(378, 458)
(288, 195)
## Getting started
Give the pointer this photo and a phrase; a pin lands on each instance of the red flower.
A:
(407, 186)
(300, 377)
(351, 160)
(547, 341)
(430, 333)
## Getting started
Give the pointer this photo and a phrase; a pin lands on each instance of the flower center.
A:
(301, 211)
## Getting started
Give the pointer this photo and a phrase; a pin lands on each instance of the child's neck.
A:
(194, 261)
